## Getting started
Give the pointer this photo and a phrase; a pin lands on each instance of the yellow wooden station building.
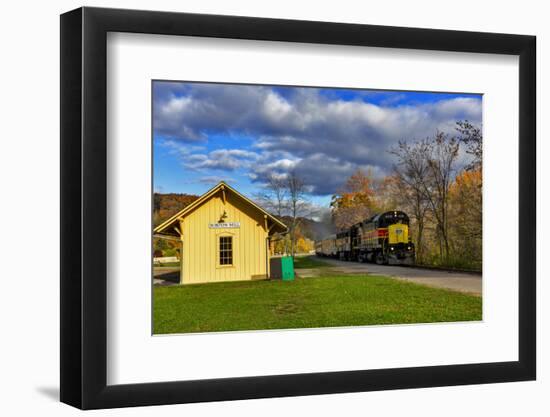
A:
(224, 235)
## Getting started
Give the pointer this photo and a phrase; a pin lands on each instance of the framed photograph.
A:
(257, 208)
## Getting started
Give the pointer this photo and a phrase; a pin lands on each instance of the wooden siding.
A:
(201, 248)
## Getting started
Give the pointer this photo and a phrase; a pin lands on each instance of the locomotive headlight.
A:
(391, 248)
(408, 247)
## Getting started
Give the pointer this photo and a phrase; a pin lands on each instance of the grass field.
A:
(301, 262)
(326, 301)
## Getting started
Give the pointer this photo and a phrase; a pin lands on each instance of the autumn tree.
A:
(427, 168)
(274, 198)
(297, 205)
(466, 211)
(387, 194)
(274, 195)
(401, 191)
(286, 197)
(472, 137)
(303, 244)
(355, 201)
(441, 165)
(410, 178)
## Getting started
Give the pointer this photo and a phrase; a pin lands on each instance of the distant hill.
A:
(166, 205)
(310, 228)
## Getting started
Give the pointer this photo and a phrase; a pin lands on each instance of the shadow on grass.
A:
(166, 278)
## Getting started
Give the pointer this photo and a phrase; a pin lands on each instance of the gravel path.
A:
(457, 281)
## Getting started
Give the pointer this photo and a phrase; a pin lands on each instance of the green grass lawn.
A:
(307, 262)
(310, 302)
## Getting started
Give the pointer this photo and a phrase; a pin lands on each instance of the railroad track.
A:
(439, 268)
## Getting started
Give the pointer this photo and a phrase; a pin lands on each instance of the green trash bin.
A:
(287, 268)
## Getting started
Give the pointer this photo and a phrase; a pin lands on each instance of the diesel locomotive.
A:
(383, 238)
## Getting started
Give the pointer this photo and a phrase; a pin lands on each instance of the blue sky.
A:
(206, 132)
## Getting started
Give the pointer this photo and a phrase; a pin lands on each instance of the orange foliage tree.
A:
(355, 201)
(466, 210)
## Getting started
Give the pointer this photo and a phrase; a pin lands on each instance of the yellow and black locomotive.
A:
(384, 238)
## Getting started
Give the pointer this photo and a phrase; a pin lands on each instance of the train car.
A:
(343, 245)
(384, 239)
(356, 236)
(319, 247)
(326, 247)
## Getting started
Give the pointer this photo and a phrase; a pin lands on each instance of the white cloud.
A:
(220, 159)
(275, 107)
(214, 179)
(323, 138)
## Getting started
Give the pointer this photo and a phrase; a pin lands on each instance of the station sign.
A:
(225, 225)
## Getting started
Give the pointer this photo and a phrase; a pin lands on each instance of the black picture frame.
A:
(84, 207)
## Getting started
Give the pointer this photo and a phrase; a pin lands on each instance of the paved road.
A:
(166, 276)
(457, 281)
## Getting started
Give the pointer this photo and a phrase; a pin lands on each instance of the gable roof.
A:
(166, 226)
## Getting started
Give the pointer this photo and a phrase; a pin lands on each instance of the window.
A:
(226, 250)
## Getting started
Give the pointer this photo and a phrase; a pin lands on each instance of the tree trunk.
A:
(292, 239)
(419, 250)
